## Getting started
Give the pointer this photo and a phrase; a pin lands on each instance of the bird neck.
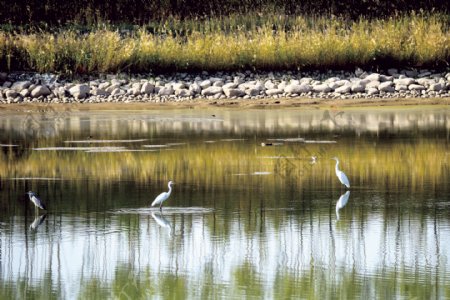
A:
(337, 165)
(170, 190)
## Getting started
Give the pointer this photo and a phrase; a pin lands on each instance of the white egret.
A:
(341, 203)
(36, 201)
(341, 175)
(163, 196)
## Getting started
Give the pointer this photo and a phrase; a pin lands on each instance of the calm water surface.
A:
(244, 220)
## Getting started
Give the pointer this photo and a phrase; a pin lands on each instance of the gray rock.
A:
(424, 74)
(392, 71)
(436, 87)
(384, 78)
(165, 91)
(7, 84)
(20, 85)
(253, 91)
(212, 90)
(11, 94)
(358, 87)
(147, 88)
(195, 88)
(118, 92)
(273, 92)
(104, 85)
(218, 83)
(79, 91)
(306, 80)
(416, 87)
(411, 73)
(386, 86)
(112, 87)
(3, 76)
(40, 90)
(234, 93)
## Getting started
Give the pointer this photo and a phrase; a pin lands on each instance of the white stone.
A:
(273, 92)
(321, 88)
(183, 93)
(297, 88)
(373, 77)
(136, 89)
(212, 90)
(205, 84)
(269, 85)
(372, 91)
(372, 84)
(343, 89)
(404, 81)
(79, 91)
(253, 91)
(416, 87)
(230, 85)
(165, 91)
(401, 87)
(179, 86)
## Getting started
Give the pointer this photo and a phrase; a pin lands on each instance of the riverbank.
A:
(232, 89)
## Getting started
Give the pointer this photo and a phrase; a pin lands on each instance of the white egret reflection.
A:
(162, 222)
(37, 222)
(343, 199)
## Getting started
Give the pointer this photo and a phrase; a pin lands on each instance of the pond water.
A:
(251, 214)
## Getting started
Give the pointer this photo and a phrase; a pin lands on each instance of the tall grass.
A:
(233, 43)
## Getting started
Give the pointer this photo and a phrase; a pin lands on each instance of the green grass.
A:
(232, 43)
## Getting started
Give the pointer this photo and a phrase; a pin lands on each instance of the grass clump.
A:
(233, 43)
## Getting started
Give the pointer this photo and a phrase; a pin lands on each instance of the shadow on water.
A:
(274, 231)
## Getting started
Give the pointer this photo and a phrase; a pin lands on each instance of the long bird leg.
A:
(160, 207)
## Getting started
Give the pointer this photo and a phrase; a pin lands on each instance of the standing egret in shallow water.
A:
(36, 201)
(340, 175)
(163, 196)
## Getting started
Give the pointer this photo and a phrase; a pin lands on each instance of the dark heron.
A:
(36, 201)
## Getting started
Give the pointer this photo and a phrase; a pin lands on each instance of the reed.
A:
(233, 43)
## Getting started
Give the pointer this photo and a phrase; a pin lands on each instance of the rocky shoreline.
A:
(49, 88)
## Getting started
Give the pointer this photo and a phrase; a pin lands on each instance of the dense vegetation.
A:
(92, 36)
(144, 11)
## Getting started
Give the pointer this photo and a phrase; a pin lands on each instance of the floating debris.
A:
(8, 145)
(106, 141)
(261, 173)
(232, 140)
(319, 142)
(77, 148)
(155, 146)
(271, 144)
(291, 140)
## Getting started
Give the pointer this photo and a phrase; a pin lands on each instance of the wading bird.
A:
(163, 196)
(36, 201)
(340, 175)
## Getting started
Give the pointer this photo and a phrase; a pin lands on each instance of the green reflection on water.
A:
(272, 216)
